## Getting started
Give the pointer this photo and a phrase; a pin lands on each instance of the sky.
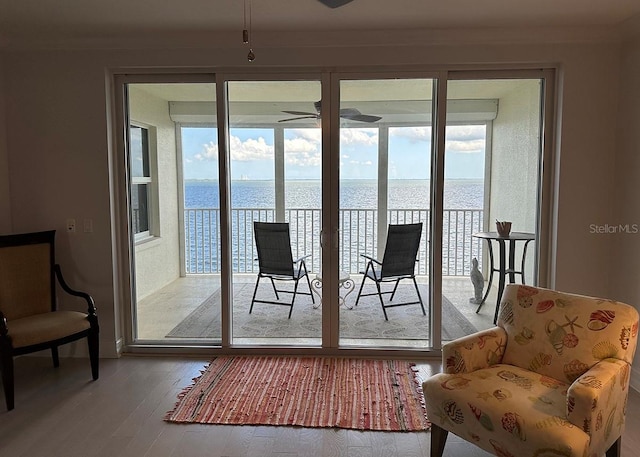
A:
(252, 152)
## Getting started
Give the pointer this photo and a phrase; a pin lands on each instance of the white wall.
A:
(59, 146)
(515, 162)
(625, 256)
(157, 260)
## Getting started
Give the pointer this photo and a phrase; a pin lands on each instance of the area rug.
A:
(365, 321)
(359, 394)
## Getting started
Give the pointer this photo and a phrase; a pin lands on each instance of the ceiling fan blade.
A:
(299, 117)
(300, 113)
(355, 115)
(334, 3)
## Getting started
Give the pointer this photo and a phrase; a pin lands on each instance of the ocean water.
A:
(408, 201)
(354, 194)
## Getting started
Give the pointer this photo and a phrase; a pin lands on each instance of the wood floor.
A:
(62, 413)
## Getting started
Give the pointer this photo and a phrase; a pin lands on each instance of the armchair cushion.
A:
(45, 327)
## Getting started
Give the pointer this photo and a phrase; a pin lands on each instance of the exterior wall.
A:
(625, 257)
(58, 137)
(157, 260)
(514, 164)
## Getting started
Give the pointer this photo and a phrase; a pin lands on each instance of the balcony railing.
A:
(358, 235)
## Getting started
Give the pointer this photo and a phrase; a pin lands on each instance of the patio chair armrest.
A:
(91, 307)
(473, 352)
(371, 259)
(301, 258)
(597, 399)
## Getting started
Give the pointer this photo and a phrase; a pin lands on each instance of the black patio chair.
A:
(398, 263)
(276, 262)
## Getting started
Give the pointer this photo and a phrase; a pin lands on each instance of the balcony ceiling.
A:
(27, 21)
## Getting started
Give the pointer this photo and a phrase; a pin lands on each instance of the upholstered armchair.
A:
(29, 317)
(551, 380)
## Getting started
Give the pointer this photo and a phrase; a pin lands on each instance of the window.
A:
(141, 182)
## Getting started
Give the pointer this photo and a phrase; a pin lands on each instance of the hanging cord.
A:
(251, 56)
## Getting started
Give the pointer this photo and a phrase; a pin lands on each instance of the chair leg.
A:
(55, 357)
(275, 291)
(293, 300)
(93, 340)
(438, 440)
(313, 300)
(6, 369)
(384, 310)
(424, 313)
(616, 449)
(255, 291)
(393, 294)
(360, 291)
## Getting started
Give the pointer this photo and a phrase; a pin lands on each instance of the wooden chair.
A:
(552, 379)
(29, 318)
(398, 263)
(276, 262)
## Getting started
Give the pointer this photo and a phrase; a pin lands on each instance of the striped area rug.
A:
(347, 393)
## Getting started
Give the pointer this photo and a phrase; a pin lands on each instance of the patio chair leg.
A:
(394, 290)
(273, 284)
(293, 300)
(384, 310)
(313, 300)
(255, 291)
(424, 313)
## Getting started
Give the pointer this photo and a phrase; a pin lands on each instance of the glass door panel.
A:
(385, 160)
(492, 162)
(174, 212)
(275, 167)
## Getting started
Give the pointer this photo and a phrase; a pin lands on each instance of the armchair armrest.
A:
(473, 352)
(91, 307)
(596, 400)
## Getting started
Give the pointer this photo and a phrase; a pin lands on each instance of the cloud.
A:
(465, 147)
(467, 139)
(358, 137)
(413, 134)
(241, 151)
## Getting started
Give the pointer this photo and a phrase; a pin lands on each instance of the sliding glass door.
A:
(385, 185)
(381, 190)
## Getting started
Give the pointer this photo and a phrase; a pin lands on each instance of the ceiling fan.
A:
(334, 3)
(351, 114)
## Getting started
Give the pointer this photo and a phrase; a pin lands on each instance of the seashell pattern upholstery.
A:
(550, 380)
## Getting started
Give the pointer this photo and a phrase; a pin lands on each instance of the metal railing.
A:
(358, 235)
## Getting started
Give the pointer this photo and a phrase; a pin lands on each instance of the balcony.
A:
(175, 313)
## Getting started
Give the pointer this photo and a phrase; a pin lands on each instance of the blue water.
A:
(354, 194)
(358, 227)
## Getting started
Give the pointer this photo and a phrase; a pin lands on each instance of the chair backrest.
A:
(401, 250)
(273, 244)
(27, 284)
(562, 335)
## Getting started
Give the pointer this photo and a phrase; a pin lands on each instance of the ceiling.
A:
(25, 20)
